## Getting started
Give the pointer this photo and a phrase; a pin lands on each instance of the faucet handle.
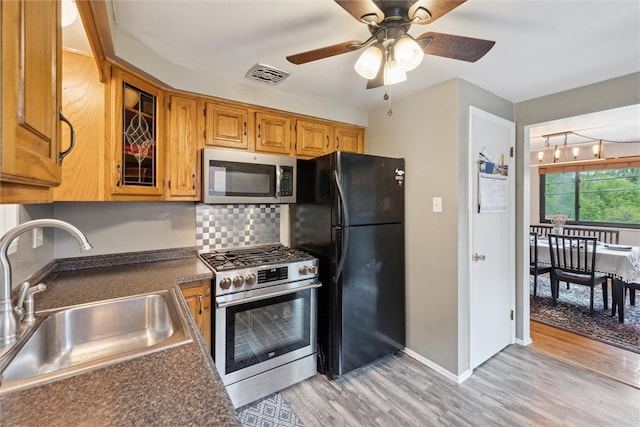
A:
(29, 305)
(22, 294)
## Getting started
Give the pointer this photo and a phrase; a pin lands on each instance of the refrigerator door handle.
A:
(345, 228)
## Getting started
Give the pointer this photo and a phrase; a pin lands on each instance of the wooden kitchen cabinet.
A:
(349, 138)
(31, 68)
(198, 298)
(183, 149)
(313, 138)
(227, 126)
(83, 101)
(135, 163)
(273, 133)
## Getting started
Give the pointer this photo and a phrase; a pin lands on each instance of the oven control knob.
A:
(250, 279)
(303, 270)
(238, 281)
(225, 283)
(313, 269)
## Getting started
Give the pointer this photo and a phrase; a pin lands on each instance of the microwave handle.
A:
(278, 178)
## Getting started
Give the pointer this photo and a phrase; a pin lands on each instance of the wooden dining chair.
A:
(535, 267)
(573, 260)
(540, 229)
(605, 235)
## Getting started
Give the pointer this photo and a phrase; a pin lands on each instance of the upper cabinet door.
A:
(313, 138)
(137, 140)
(349, 138)
(226, 126)
(31, 70)
(273, 133)
(182, 149)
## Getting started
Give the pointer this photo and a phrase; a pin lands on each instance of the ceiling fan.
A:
(391, 51)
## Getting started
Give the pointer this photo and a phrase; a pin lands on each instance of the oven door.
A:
(264, 328)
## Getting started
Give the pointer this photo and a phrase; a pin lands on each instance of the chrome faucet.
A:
(10, 315)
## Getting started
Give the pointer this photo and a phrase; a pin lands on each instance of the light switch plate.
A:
(437, 204)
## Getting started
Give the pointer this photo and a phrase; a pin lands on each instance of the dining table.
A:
(621, 262)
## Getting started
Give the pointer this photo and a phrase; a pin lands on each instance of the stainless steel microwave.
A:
(231, 177)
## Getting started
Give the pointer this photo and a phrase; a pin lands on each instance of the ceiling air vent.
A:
(266, 74)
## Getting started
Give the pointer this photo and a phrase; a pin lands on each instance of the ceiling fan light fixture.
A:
(69, 13)
(393, 73)
(369, 62)
(407, 53)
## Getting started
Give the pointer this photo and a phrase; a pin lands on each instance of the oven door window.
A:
(265, 329)
(241, 179)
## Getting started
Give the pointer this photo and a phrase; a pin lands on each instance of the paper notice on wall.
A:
(493, 193)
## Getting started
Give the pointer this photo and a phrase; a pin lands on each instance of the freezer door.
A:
(371, 297)
(372, 187)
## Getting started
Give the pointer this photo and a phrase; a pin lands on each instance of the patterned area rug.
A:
(571, 313)
(272, 411)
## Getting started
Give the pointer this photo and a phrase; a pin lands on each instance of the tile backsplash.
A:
(225, 226)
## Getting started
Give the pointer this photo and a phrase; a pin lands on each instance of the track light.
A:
(596, 146)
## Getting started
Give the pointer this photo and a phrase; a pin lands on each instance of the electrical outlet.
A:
(38, 238)
(437, 204)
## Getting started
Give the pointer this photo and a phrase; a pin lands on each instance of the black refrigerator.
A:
(350, 215)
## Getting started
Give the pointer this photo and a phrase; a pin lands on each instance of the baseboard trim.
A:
(458, 379)
(523, 342)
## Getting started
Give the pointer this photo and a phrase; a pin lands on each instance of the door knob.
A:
(478, 257)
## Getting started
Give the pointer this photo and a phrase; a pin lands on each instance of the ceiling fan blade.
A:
(324, 52)
(361, 8)
(436, 9)
(378, 80)
(455, 47)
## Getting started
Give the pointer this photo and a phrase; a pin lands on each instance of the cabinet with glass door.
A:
(137, 139)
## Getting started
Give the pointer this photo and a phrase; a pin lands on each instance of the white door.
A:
(492, 235)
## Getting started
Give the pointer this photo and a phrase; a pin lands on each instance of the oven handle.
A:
(222, 303)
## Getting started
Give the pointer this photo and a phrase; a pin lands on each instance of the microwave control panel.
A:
(286, 181)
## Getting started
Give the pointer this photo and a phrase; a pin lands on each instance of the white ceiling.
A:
(542, 47)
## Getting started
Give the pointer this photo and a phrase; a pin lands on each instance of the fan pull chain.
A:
(386, 97)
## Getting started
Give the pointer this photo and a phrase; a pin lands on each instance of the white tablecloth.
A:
(624, 264)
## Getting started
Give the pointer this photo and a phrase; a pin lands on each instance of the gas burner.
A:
(254, 256)
(241, 269)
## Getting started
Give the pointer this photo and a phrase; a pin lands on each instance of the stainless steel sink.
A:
(79, 338)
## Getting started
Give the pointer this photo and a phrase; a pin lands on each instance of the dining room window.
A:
(605, 197)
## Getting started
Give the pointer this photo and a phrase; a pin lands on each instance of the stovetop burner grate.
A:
(253, 256)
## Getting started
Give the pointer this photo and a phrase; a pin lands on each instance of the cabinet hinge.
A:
(511, 314)
(510, 151)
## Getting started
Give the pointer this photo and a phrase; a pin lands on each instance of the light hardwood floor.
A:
(520, 386)
(614, 362)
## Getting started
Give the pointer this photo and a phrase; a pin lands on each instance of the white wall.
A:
(119, 227)
(430, 130)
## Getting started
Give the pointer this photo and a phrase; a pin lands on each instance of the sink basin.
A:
(79, 338)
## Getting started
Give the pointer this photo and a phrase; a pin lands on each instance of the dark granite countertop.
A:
(176, 386)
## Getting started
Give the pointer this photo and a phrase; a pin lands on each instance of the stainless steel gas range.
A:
(265, 318)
